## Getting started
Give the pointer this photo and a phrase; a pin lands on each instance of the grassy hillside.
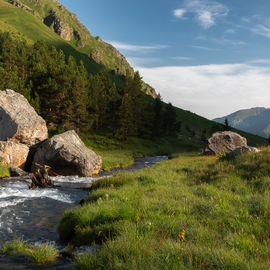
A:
(191, 212)
(28, 18)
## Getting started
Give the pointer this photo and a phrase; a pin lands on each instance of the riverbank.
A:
(191, 212)
(121, 154)
(34, 215)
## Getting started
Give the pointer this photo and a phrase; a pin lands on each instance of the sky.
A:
(209, 57)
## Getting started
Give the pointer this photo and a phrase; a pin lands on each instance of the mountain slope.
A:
(254, 120)
(52, 22)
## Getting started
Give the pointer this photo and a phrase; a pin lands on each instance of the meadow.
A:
(190, 212)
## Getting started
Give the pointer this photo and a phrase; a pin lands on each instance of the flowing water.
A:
(33, 215)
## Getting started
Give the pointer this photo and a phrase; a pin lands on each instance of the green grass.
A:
(43, 254)
(4, 171)
(223, 206)
(15, 246)
(40, 255)
(121, 154)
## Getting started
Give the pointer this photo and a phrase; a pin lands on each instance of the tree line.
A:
(68, 97)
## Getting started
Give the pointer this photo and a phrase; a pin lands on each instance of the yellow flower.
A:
(137, 218)
(181, 235)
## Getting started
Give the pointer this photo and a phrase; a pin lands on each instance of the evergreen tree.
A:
(170, 125)
(131, 106)
(226, 124)
(158, 117)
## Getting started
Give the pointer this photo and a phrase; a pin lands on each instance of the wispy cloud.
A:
(179, 13)
(205, 48)
(206, 12)
(181, 58)
(263, 30)
(211, 90)
(131, 47)
(143, 61)
(230, 31)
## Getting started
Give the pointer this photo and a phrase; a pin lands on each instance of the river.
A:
(33, 215)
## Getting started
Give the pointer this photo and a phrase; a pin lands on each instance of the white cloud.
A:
(179, 13)
(205, 48)
(181, 58)
(206, 11)
(262, 30)
(131, 47)
(211, 90)
(143, 61)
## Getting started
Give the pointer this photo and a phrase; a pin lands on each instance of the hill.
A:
(50, 21)
(254, 120)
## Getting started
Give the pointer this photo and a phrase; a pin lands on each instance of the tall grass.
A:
(223, 207)
(40, 255)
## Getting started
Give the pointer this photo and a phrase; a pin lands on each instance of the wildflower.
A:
(137, 218)
(181, 235)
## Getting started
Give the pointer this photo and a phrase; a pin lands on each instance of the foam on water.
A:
(12, 193)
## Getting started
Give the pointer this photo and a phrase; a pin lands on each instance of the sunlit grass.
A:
(4, 171)
(187, 213)
(43, 254)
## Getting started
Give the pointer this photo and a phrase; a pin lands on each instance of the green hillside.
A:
(29, 17)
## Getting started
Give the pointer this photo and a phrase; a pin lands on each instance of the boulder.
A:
(13, 154)
(240, 150)
(224, 142)
(18, 120)
(66, 154)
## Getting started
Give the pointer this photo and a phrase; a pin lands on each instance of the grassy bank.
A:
(121, 154)
(191, 212)
(38, 255)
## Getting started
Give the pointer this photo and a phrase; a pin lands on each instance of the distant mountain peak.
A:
(255, 120)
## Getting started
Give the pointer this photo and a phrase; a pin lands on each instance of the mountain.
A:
(254, 120)
(50, 21)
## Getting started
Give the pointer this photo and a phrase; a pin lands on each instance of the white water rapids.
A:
(35, 214)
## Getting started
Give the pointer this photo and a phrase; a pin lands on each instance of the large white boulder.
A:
(19, 122)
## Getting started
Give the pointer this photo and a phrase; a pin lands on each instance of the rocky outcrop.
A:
(66, 154)
(16, 171)
(224, 142)
(18, 120)
(60, 27)
(240, 150)
(96, 56)
(13, 154)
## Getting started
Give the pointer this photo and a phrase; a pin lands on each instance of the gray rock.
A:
(224, 142)
(18, 120)
(240, 150)
(66, 154)
(13, 154)
(15, 171)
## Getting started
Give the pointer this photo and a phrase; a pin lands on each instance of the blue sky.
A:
(209, 57)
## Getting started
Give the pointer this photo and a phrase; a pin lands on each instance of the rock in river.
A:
(224, 142)
(66, 154)
(19, 122)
